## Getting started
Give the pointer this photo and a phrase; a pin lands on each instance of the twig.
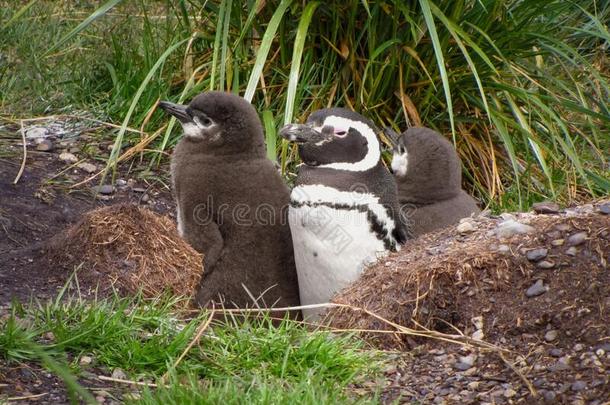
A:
(27, 397)
(25, 153)
(204, 325)
(523, 378)
(130, 382)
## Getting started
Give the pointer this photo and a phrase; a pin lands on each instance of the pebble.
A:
(104, 189)
(556, 352)
(465, 227)
(36, 132)
(577, 239)
(121, 183)
(536, 254)
(571, 251)
(85, 360)
(119, 374)
(578, 386)
(478, 335)
(68, 157)
(45, 146)
(562, 227)
(504, 249)
(578, 347)
(545, 264)
(557, 242)
(605, 208)
(145, 199)
(546, 207)
(538, 288)
(509, 393)
(549, 396)
(551, 335)
(511, 227)
(88, 167)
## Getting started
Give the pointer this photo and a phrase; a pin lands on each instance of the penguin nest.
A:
(444, 281)
(131, 249)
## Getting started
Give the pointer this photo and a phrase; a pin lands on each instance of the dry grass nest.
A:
(129, 248)
(451, 282)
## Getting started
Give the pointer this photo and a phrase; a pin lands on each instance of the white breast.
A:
(332, 246)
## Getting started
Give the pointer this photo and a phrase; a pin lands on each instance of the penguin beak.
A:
(300, 133)
(177, 110)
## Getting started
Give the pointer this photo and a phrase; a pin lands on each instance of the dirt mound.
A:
(492, 278)
(129, 248)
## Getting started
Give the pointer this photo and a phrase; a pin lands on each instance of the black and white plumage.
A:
(428, 174)
(231, 203)
(344, 212)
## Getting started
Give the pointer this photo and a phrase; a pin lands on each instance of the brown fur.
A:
(234, 206)
(430, 193)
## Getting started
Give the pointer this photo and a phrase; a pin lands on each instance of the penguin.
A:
(232, 204)
(428, 174)
(344, 208)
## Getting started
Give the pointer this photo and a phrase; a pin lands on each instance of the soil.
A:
(477, 285)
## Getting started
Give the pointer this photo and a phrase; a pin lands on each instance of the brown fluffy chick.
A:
(232, 204)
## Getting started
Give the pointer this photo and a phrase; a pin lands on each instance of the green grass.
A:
(521, 87)
(245, 360)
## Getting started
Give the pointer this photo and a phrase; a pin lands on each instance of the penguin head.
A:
(335, 138)
(219, 121)
(426, 166)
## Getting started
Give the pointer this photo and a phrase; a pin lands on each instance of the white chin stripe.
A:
(399, 164)
(373, 154)
(318, 194)
(191, 130)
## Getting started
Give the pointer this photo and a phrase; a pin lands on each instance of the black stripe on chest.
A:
(376, 225)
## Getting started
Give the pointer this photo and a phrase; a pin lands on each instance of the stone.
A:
(119, 374)
(504, 249)
(145, 198)
(121, 183)
(465, 227)
(556, 352)
(105, 189)
(577, 239)
(538, 288)
(509, 393)
(571, 251)
(551, 335)
(557, 242)
(68, 157)
(545, 264)
(511, 228)
(45, 146)
(535, 255)
(578, 386)
(478, 335)
(36, 132)
(546, 207)
(88, 167)
(549, 396)
(85, 360)
(604, 208)
(578, 347)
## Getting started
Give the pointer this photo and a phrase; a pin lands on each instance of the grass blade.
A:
(263, 51)
(19, 13)
(270, 135)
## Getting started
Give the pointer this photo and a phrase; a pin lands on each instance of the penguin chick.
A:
(428, 174)
(343, 209)
(232, 204)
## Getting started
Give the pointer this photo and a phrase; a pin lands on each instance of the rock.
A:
(121, 183)
(466, 227)
(545, 264)
(105, 189)
(556, 352)
(509, 393)
(473, 385)
(538, 288)
(578, 386)
(577, 239)
(557, 242)
(465, 362)
(578, 347)
(145, 198)
(68, 157)
(477, 322)
(551, 335)
(571, 251)
(478, 335)
(45, 146)
(36, 132)
(546, 207)
(511, 227)
(85, 360)
(549, 396)
(536, 254)
(119, 374)
(605, 208)
(88, 167)
(562, 227)
(504, 249)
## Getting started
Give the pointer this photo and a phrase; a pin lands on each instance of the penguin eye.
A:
(340, 132)
(401, 149)
(203, 121)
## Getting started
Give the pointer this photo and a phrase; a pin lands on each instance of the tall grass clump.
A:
(521, 87)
